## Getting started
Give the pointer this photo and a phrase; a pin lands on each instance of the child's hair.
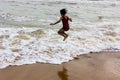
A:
(63, 11)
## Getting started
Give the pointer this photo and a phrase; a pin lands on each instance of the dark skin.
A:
(62, 31)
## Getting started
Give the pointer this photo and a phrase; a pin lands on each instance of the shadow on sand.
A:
(63, 74)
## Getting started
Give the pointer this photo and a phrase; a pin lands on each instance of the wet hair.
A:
(63, 11)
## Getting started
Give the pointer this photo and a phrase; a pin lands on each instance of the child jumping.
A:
(65, 23)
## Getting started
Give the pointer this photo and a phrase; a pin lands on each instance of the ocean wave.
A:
(26, 36)
(31, 45)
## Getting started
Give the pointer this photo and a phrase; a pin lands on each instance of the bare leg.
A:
(65, 37)
(62, 33)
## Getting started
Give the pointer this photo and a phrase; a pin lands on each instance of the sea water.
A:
(26, 36)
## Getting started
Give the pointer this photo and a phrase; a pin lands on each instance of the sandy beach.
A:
(93, 66)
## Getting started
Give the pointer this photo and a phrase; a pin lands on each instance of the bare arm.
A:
(70, 19)
(56, 22)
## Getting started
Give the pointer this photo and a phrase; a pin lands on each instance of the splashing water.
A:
(27, 38)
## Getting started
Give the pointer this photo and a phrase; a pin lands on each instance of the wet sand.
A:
(93, 66)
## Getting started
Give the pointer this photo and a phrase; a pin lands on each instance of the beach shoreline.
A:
(103, 65)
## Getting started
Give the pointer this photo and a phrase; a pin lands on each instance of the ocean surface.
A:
(26, 36)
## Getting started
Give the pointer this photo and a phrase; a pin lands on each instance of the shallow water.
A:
(26, 36)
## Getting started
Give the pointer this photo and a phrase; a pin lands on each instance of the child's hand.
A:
(70, 19)
(51, 23)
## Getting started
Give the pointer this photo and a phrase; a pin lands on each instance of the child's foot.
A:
(65, 37)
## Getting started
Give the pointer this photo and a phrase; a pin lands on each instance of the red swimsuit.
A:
(65, 24)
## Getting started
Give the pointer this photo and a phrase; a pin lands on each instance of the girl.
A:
(65, 23)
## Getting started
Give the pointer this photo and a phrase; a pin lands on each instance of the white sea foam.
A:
(26, 36)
